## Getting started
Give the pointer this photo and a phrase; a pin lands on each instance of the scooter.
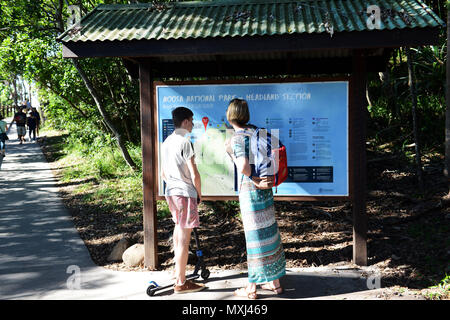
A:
(200, 265)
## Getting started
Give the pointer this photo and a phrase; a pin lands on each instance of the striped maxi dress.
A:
(265, 255)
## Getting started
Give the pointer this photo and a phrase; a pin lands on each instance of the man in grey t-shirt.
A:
(177, 152)
(183, 191)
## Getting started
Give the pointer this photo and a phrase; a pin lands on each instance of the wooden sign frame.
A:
(357, 114)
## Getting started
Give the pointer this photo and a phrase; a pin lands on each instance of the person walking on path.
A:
(36, 114)
(265, 256)
(3, 136)
(31, 124)
(183, 193)
(20, 118)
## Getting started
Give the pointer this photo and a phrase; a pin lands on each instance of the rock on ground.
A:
(118, 250)
(134, 255)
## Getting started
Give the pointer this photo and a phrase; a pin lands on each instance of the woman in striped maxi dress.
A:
(265, 255)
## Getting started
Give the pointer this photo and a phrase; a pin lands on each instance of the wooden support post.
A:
(148, 166)
(358, 114)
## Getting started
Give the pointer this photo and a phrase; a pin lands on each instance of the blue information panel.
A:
(311, 119)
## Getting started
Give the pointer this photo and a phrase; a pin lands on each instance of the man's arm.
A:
(163, 176)
(195, 175)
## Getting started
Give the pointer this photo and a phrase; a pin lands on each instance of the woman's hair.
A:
(179, 115)
(237, 112)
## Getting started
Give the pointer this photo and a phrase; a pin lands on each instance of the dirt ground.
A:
(408, 230)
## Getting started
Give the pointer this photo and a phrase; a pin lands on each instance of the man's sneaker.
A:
(188, 286)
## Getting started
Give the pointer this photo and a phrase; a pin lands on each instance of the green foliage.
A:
(442, 289)
(5, 95)
(28, 49)
(100, 157)
(390, 112)
(163, 209)
(100, 176)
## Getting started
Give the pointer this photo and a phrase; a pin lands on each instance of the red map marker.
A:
(205, 121)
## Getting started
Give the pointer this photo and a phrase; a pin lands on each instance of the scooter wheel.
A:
(151, 290)
(205, 274)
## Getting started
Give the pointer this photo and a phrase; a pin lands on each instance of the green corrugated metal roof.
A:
(222, 18)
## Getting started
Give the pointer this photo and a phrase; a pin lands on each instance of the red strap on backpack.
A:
(282, 173)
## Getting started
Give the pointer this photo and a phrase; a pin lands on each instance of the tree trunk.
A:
(369, 101)
(412, 88)
(447, 110)
(15, 93)
(98, 103)
(394, 87)
(105, 116)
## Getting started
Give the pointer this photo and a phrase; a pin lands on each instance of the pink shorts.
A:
(184, 211)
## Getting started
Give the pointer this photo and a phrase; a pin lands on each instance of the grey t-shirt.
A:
(176, 151)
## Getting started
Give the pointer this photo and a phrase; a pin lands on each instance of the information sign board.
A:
(311, 119)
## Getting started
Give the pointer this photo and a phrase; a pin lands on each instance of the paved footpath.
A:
(43, 257)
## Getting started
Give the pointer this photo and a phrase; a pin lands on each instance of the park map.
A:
(310, 118)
